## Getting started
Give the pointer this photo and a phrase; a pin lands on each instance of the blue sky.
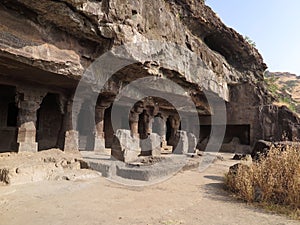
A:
(272, 24)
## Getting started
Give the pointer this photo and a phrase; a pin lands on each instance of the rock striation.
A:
(46, 46)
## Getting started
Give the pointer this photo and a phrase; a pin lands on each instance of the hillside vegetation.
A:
(285, 87)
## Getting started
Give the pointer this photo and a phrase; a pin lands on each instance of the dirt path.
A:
(190, 197)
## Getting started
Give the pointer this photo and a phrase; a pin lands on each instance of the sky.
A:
(272, 24)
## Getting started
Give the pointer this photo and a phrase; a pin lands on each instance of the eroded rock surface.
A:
(47, 46)
(64, 36)
(53, 164)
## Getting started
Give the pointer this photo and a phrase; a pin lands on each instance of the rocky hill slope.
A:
(286, 87)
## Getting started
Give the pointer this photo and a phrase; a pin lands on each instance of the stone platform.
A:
(163, 167)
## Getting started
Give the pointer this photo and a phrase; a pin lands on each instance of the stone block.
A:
(192, 143)
(151, 145)
(125, 147)
(182, 142)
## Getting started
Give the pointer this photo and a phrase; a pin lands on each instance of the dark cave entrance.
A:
(49, 122)
(8, 119)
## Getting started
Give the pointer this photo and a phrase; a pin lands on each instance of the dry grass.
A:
(274, 181)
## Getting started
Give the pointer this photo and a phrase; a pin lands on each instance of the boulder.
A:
(261, 147)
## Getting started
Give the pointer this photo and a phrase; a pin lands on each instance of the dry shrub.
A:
(240, 181)
(273, 180)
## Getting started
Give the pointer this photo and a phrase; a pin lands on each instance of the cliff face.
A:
(65, 36)
(52, 42)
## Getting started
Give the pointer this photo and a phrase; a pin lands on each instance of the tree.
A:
(248, 39)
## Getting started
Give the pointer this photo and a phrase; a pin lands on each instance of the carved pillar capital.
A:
(137, 109)
(28, 94)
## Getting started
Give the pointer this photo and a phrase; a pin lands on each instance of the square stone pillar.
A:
(27, 139)
(192, 142)
(102, 104)
(71, 135)
(175, 124)
(71, 141)
(162, 120)
(28, 103)
(182, 142)
(99, 145)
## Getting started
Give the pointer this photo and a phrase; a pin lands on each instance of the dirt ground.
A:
(190, 197)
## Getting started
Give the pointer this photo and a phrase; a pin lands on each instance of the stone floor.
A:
(147, 170)
(190, 197)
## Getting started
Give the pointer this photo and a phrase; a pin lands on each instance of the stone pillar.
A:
(182, 142)
(148, 120)
(146, 125)
(134, 124)
(151, 111)
(175, 124)
(134, 119)
(100, 108)
(192, 142)
(163, 129)
(99, 129)
(61, 135)
(28, 103)
(72, 135)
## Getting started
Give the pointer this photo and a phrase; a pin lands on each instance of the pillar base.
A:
(99, 145)
(26, 139)
(164, 143)
(151, 145)
(28, 147)
(71, 141)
